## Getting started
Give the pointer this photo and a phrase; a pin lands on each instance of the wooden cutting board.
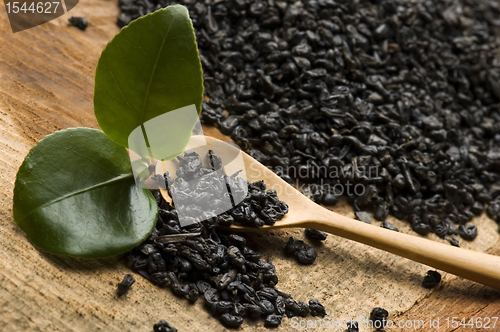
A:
(46, 84)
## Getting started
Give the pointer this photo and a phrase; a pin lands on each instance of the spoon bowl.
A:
(304, 213)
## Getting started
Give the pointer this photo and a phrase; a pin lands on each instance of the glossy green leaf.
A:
(75, 195)
(150, 68)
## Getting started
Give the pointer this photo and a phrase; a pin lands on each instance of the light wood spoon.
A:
(304, 213)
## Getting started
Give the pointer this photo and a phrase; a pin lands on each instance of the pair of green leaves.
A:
(75, 193)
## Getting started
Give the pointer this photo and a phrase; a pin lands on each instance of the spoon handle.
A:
(476, 266)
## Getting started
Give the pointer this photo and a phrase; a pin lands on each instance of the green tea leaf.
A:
(75, 195)
(150, 68)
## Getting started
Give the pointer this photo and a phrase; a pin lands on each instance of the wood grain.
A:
(46, 84)
(456, 298)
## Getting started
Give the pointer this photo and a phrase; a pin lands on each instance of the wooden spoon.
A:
(304, 213)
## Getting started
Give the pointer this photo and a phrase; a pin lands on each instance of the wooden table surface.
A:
(46, 84)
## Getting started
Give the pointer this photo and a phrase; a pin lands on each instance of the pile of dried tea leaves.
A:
(391, 103)
(200, 260)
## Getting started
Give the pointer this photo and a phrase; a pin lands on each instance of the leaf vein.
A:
(81, 191)
(120, 88)
(154, 69)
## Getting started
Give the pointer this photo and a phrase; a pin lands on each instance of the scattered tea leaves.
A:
(79, 22)
(315, 235)
(303, 253)
(431, 279)
(352, 326)
(163, 326)
(125, 284)
(378, 317)
(388, 225)
(363, 216)
(316, 308)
